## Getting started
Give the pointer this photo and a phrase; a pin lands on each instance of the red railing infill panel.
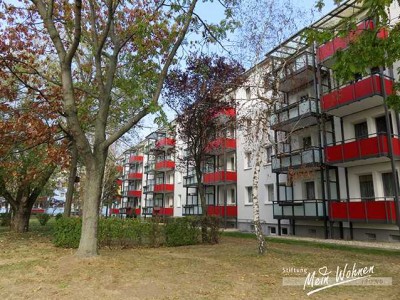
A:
(163, 188)
(165, 142)
(219, 210)
(136, 193)
(220, 176)
(135, 158)
(165, 164)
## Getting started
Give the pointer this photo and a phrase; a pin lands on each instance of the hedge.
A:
(130, 233)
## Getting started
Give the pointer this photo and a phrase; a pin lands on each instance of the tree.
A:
(30, 152)
(111, 189)
(107, 61)
(266, 24)
(198, 94)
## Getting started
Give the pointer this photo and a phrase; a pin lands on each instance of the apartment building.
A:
(331, 167)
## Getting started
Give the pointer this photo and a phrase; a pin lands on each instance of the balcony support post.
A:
(321, 129)
(341, 230)
(279, 227)
(390, 145)
(351, 231)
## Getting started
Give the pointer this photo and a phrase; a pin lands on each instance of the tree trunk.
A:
(71, 180)
(256, 207)
(91, 205)
(21, 216)
(201, 192)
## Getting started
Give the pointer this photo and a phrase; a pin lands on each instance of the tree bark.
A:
(91, 206)
(256, 206)
(201, 193)
(21, 216)
(71, 180)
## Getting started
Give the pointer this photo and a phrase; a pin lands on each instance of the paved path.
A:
(379, 245)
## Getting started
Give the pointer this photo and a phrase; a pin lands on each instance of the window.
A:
(249, 194)
(268, 151)
(366, 187)
(247, 160)
(361, 130)
(307, 144)
(178, 201)
(310, 190)
(272, 230)
(381, 124)
(270, 192)
(248, 94)
(388, 184)
(233, 200)
(284, 231)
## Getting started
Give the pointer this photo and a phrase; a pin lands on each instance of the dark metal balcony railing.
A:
(295, 159)
(149, 167)
(148, 188)
(189, 180)
(295, 111)
(383, 209)
(356, 91)
(302, 209)
(294, 67)
(370, 146)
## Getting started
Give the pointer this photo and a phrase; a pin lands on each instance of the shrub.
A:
(43, 218)
(67, 232)
(212, 223)
(5, 219)
(58, 216)
(128, 233)
(181, 231)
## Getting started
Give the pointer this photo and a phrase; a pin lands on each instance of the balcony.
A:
(353, 152)
(299, 209)
(165, 144)
(328, 49)
(297, 73)
(164, 165)
(164, 188)
(357, 96)
(149, 188)
(222, 211)
(219, 177)
(296, 115)
(134, 193)
(135, 159)
(135, 176)
(221, 145)
(224, 115)
(382, 210)
(149, 167)
(163, 211)
(298, 158)
(189, 180)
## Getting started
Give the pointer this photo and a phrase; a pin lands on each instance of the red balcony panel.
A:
(38, 211)
(219, 177)
(364, 88)
(220, 145)
(219, 210)
(360, 149)
(163, 211)
(134, 176)
(329, 48)
(119, 182)
(115, 211)
(225, 113)
(136, 193)
(165, 143)
(120, 169)
(363, 211)
(135, 158)
(163, 188)
(137, 211)
(165, 165)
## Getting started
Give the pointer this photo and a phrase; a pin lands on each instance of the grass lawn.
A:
(32, 268)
